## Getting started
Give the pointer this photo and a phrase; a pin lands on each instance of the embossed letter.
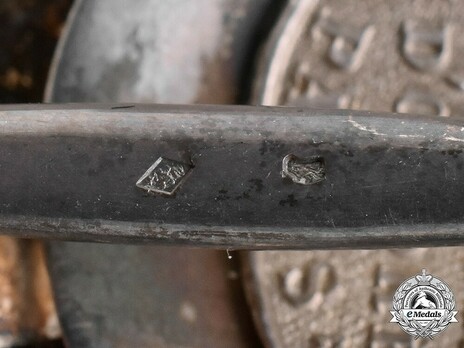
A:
(348, 45)
(421, 103)
(425, 47)
(301, 284)
(306, 91)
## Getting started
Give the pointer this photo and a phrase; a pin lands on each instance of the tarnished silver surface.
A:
(236, 196)
(399, 56)
(153, 51)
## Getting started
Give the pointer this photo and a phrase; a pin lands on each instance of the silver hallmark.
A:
(303, 171)
(164, 176)
(322, 54)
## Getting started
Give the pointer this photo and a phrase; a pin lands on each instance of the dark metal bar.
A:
(231, 177)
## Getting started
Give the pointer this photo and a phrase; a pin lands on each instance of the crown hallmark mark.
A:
(164, 176)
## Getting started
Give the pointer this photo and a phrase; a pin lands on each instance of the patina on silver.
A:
(401, 56)
(164, 176)
(139, 53)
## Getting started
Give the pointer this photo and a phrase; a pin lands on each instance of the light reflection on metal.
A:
(164, 176)
(303, 171)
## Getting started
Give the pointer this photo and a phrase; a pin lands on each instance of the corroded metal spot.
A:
(164, 176)
(303, 171)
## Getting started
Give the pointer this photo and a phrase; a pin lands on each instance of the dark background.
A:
(28, 35)
(29, 31)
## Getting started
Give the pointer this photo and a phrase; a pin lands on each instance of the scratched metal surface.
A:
(381, 55)
(408, 170)
(145, 296)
